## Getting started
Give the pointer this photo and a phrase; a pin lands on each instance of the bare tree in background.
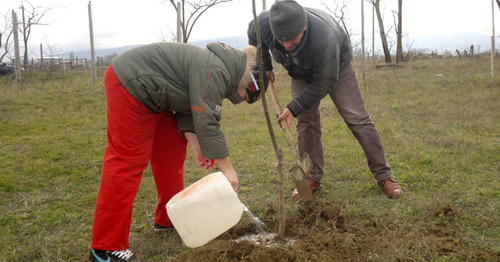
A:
(383, 37)
(5, 36)
(409, 43)
(167, 37)
(195, 9)
(31, 16)
(399, 32)
(339, 12)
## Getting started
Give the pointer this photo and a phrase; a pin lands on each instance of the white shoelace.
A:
(123, 254)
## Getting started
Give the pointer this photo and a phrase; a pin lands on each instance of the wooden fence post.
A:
(41, 58)
(92, 51)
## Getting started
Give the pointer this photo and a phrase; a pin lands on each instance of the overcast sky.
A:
(131, 22)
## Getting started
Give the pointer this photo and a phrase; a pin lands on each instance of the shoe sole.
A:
(163, 230)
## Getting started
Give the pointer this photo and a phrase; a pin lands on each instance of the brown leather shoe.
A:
(313, 185)
(391, 188)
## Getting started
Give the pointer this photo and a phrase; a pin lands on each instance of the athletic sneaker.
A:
(111, 256)
(160, 229)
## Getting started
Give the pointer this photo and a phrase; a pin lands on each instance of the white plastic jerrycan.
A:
(204, 210)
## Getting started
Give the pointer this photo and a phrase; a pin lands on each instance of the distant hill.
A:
(235, 41)
(238, 42)
(430, 42)
(99, 52)
(451, 42)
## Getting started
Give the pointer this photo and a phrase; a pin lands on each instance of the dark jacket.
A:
(324, 51)
(188, 80)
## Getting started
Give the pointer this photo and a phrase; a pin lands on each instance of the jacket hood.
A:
(235, 61)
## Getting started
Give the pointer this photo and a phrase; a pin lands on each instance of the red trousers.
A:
(136, 137)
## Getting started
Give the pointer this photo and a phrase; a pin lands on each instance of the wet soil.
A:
(322, 232)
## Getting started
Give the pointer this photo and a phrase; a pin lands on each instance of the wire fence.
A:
(50, 64)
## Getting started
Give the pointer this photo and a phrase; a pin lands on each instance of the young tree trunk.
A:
(277, 149)
(25, 41)
(373, 32)
(383, 37)
(363, 40)
(399, 51)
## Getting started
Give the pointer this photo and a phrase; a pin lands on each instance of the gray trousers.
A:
(347, 98)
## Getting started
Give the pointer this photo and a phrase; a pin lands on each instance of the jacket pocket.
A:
(158, 98)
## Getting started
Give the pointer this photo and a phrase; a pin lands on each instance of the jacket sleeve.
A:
(252, 39)
(326, 74)
(184, 123)
(207, 88)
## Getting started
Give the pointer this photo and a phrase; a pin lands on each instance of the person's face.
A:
(292, 44)
(243, 94)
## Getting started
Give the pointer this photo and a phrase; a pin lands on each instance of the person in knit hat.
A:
(159, 98)
(316, 52)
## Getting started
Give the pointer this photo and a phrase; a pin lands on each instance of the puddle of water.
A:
(266, 239)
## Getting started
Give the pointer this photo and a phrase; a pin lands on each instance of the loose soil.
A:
(322, 232)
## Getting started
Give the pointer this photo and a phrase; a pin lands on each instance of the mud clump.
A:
(325, 210)
(447, 211)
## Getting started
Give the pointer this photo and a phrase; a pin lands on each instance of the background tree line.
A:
(188, 13)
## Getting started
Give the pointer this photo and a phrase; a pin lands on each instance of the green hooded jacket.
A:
(190, 81)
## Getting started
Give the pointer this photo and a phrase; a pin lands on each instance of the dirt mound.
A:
(312, 233)
(323, 232)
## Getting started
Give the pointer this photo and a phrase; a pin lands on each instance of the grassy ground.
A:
(438, 120)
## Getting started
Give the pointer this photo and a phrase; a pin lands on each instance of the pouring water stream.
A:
(263, 236)
(261, 227)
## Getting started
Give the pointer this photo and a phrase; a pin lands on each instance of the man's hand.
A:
(270, 75)
(287, 116)
(229, 171)
(193, 142)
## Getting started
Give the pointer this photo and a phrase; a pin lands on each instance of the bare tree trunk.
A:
(383, 37)
(493, 48)
(179, 27)
(373, 32)
(363, 40)
(25, 41)
(16, 48)
(277, 149)
(399, 50)
(196, 9)
(31, 16)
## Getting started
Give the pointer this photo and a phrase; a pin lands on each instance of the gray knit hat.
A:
(287, 19)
